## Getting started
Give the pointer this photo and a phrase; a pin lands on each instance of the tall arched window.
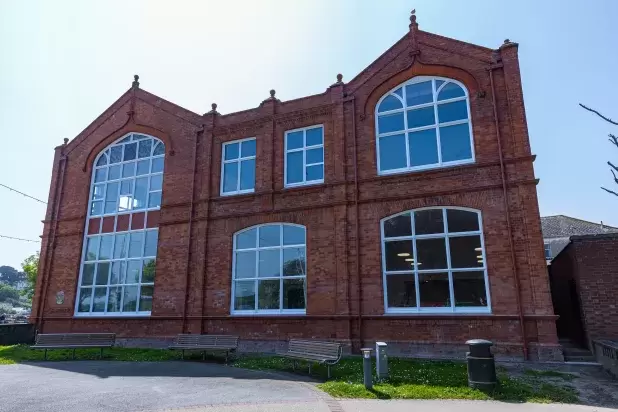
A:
(269, 270)
(117, 271)
(424, 123)
(433, 260)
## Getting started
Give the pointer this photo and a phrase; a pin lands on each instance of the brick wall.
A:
(192, 290)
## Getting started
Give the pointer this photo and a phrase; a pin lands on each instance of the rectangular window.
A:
(547, 251)
(238, 167)
(304, 156)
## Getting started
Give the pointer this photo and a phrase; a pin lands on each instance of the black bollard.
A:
(481, 365)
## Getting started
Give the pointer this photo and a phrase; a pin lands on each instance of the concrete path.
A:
(458, 406)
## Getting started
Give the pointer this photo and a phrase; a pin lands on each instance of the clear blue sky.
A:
(64, 62)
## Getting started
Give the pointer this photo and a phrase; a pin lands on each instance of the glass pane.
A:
(269, 264)
(294, 167)
(450, 91)
(399, 92)
(245, 265)
(419, 93)
(102, 160)
(129, 151)
(92, 246)
(462, 220)
(390, 123)
(294, 294)
(449, 112)
(398, 226)
(315, 172)
(120, 246)
(268, 294)
(88, 274)
(130, 299)
(114, 172)
(118, 273)
(128, 169)
(390, 103)
(423, 147)
(145, 147)
(113, 302)
(315, 155)
(247, 148)
(393, 152)
(294, 140)
(126, 187)
(157, 165)
(100, 294)
(434, 290)
(269, 235)
(97, 192)
(135, 244)
(466, 252)
(102, 273)
(396, 253)
(100, 174)
(156, 182)
(431, 254)
(115, 154)
(155, 199)
(133, 268)
(439, 83)
(149, 270)
(150, 248)
(141, 191)
(401, 291)
(455, 143)
(421, 117)
(96, 208)
(105, 250)
(85, 296)
(246, 239)
(293, 235)
(469, 288)
(231, 151)
(111, 197)
(315, 136)
(247, 174)
(145, 299)
(124, 203)
(159, 149)
(143, 167)
(230, 177)
(126, 139)
(294, 263)
(244, 295)
(428, 221)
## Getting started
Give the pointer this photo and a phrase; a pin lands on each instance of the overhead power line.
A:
(18, 238)
(23, 194)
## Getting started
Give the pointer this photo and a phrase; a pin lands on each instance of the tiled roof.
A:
(565, 226)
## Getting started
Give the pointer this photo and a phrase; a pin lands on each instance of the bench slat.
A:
(186, 341)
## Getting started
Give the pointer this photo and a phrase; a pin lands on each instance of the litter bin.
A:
(481, 365)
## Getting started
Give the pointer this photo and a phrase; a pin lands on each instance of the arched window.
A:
(117, 271)
(424, 123)
(269, 270)
(433, 260)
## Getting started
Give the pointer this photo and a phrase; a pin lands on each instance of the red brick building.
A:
(399, 206)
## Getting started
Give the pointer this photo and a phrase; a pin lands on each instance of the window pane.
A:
(399, 92)
(396, 253)
(294, 294)
(269, 235)
(113, 302)
(465, 252)
(315, 155)
(118, 273)
(419, 93)
(231, 151)
(135, 245)
(105, 251)
(143, 167)
(455, 142)
(393, 152)
(423, 147)
(450, 91)
(390, 103)
(126, 187)
(431, 254)
(268, 294)
(244, 295)
(157, 165)
(315, 172)
(155, 199)
(96, 208)
(159, 149)
(269, 264)
(294, 167)
(128, 169)
(151, 243)
(92, 246)
(294, 140)
(428, 221)
(230, 177)
(149, 270)
(401, 291)
(469, 288)
(145, 147)
(100, 175)
(111, 197)
(462, 220)
(141, 192)
(434, 290)
(247, 174)
(100, 294)
(453, 111)
(245, 265)
(130, 299)
(421, 117)
(133, 269)
(156, 182)
(129, 151)
(247, 148)
(315, 136)
(294, 261)
(114, 172)
(439, 83)
(102, 273)
(246, 239)
(85, 296)
(145, 300)
(390, 123)
(398, 226)
(88, 274)
(293, 235)
(115, 154)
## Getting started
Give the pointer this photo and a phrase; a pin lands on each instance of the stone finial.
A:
(272, 93)
(66, 140)
(506, 41)
(413, 23)
(135, 81)
(214, 109)
(340, 78)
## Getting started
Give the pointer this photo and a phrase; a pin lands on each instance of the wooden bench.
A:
(204, 343)
(328, 353)
(74, 341)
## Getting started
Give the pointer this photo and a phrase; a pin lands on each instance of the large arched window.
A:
(433, 260)
(424, 123)
(117, 271)
(269, 270)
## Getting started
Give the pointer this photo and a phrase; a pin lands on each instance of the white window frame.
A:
(405, 131)
(257, 278)
(238, 160)
(304, 149)
(415, 271)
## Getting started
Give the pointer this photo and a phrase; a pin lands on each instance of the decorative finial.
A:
(214, 109)
(66, 140)
(506, 41)
(272, 93)
(413, 16)
(135, 81)
(339, 78)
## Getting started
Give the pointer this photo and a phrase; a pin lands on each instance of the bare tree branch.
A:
(607, 119)
(614, 173)
(610, 191)
(613, 139)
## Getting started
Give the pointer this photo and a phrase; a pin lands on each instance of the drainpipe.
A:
(356, 228)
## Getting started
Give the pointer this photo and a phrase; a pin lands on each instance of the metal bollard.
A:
(367, 378)
(381, 360)
(481, 365)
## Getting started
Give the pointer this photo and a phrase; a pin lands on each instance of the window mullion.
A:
(447, 245)
(281, 267)
(435, 113)
(304, 156)
(405, 128)
(415, 255)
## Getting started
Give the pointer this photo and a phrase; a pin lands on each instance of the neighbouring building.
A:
(399, 206)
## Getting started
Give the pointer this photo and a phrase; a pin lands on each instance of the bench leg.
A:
(294, 366)
(309, 368)
(328, 370)
(45, 357)
(101, 354)
(73, 354)
(203, 355)
(227, 353)
(182, 356)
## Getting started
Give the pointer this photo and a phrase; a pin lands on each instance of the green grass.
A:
(550, 374)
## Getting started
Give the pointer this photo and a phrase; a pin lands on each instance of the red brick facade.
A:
(342, 216)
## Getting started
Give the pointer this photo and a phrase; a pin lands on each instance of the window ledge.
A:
(111, 315)
(268, 314)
